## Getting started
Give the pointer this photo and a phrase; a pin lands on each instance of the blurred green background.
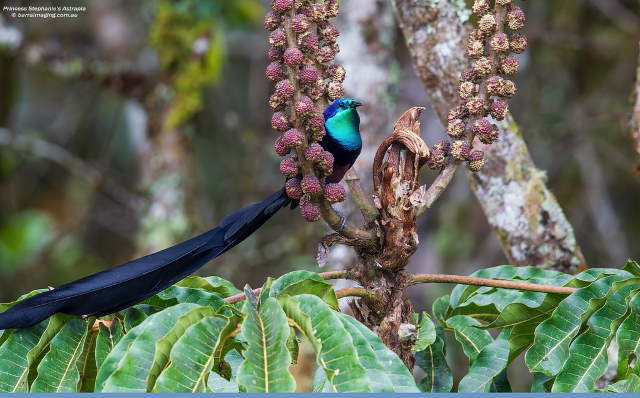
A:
(139, 124)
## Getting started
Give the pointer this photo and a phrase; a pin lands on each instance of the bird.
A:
(127, 284)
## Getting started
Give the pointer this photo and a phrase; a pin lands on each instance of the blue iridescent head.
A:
(342, 122)
(341, 105)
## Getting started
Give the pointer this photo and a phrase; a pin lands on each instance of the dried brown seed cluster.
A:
(484, 88)
(302, 48)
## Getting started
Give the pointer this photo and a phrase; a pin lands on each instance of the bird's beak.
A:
(356, 104)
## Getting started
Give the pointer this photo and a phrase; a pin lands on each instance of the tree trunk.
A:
(526, 217)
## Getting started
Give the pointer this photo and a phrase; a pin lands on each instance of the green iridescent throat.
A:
(344, 128)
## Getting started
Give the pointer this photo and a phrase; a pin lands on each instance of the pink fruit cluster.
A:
(484, 87)
(302, 46)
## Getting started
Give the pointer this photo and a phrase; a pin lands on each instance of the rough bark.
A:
(635, 116)
(398, 196)
(528, 220)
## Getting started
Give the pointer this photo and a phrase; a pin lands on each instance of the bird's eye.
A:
(343, 105)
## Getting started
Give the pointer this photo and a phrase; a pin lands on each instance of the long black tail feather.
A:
(125, 285)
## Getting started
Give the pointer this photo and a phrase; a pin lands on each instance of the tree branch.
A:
(469, 280)
(526, 217)
(439, 185)
(357, 292)
(362, 199)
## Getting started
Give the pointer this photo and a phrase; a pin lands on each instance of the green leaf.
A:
(320, 381)
(593, 274)
(217, 383)
(550, 348)
(222, 286)
(133, 317)
(58, 371)
(304, 282)
(534, 311)
(293, 345)
(501, 383)
(632, 267)
(265, 291)
(87, 361)
(541, 382)
(193, 357)
(267, 359)
(440, 308)
(331, 341)
(182, 294)
(628, 337)
(462, 293)
(472, 339)
(426, 333)
(630, 384)
(107, 338)
(139, 357)
(433, 361)
(299, 320)
(385, 369)
(212, 284)
(521, 337)
(252, 299)
(490, 363)
(20, 352)
(588, 353)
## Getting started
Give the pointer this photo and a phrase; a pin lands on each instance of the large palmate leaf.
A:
(489, 364)
(333, 344)
(20, 352)
(550, 348)
(139, 357)
(196, 353)
(438, 376)
(588, 358)
(58, 371)
(266, 360)
(472, 339)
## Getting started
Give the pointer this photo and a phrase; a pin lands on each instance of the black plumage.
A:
(120, 287)
(125, 285)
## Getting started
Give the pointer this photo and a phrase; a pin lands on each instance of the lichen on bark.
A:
(533, 230)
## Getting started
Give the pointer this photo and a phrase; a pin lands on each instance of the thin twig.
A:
(357, 292)
(469, 280)
(362, 199)
(241, 296)
(438, 186)
(342, 274)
